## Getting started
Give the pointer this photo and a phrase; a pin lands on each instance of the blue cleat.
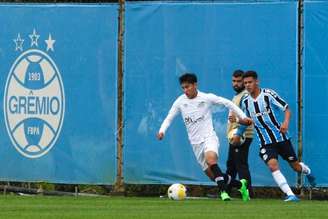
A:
(292, 198)
(311, 180)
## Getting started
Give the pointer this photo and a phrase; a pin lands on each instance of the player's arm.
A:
(284, 126)
(241, 128)
(241, 117)
(246, 121)
(168, 120)
(280, 103)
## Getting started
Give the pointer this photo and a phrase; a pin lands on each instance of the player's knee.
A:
(296, 166)
(211, 158)
(211, 161)
(273, 166)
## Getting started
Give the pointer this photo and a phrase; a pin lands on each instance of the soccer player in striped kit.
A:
(262, 105)
(195, 108)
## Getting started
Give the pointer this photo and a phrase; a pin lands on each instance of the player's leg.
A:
(209, 174)
(224, 180)
(208, 162)
(281, 180)
(269, 155)
(300, 167)
(211, 152)
(242, 164)
(287, 152)
(231, 165)
(211, 161)
(211, 146)
(303, 168)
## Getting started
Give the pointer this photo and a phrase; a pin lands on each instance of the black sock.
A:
(231, 182)
(235, 183)
(218, 177)
(227, 179)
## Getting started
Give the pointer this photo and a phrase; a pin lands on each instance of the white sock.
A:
(305, 169)
(282, 182)
(229, 179)
(219, 178)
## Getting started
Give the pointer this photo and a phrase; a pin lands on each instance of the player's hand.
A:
(160, 135)
(284, 127)
(232, 118)
(246, 121)
(235, 140)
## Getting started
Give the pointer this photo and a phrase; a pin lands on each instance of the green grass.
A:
(120, 207)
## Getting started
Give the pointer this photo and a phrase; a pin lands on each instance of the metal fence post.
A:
(119, 185)
(300, 37)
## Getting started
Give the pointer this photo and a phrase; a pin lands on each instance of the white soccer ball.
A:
(232, 133)
(177, 191)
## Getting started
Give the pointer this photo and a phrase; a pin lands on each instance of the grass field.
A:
(120, 207)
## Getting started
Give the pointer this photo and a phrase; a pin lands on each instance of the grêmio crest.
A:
(34, 99)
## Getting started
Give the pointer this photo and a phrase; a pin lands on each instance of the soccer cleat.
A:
(292, 198)
(243, 190)
(225, 196)
(311, 180)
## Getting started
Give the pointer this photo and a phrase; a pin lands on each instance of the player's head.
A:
(188, 82)
(251, 82)
(237, 81)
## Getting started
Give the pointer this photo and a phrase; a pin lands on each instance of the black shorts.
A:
(284, 149)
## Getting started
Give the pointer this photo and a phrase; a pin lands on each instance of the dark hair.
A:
(238, 73)
(252, 74)
(188, 77)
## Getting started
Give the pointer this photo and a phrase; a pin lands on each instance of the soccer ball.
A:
(177, 191)
(232, 133)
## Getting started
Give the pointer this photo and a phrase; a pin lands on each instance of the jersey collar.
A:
(260, 94)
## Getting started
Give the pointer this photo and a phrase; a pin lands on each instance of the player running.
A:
(262, 105)
(195, 107)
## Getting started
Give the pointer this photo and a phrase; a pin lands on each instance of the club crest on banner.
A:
(34, 99)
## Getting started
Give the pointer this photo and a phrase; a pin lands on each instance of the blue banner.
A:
(315, 88)
(58, 89)
(164, 40)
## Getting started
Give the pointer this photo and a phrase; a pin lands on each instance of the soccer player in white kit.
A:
(195, 108)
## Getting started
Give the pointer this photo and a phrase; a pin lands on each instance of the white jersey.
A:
(197, 115)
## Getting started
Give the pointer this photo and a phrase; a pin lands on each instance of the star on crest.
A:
(50, 43)
(19, 43)
(34, 38)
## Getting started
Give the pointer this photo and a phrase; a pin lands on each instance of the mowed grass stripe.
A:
(122, 207)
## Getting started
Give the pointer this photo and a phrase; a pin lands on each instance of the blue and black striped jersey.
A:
(263, 111)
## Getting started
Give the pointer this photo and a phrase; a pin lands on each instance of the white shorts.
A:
(210, 144)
